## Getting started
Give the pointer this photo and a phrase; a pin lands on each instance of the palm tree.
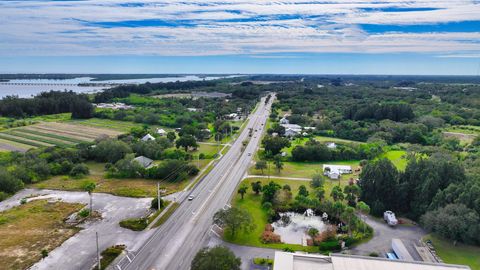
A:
(312, 232)
(278, 162)
(364, 210)
(242, 190)
(90, 187)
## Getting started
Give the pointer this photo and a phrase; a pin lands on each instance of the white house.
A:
(295, 127)
(148, 137)
(161, 132)
(284, 121)
(331, 145)
(335, 171)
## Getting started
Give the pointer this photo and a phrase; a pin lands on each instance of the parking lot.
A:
(383, 235)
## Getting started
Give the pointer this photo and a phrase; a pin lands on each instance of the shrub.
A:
(134, 224)
(268, 236)
(330, 245)
(79, 170)
(373, 254)
(44, 253)
(262, 261)
(84, 213)
(3, 196)
(154, 204)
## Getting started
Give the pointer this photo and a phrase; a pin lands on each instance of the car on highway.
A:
(249, 154)
(191, 197)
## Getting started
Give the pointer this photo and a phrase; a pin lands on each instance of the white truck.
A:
(390, 218)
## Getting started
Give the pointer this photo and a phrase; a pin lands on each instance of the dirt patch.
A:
(460, 136)
(28, 229)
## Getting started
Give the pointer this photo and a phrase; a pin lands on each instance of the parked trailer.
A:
(400, 250)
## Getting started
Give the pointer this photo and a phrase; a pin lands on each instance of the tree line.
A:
(51, 102)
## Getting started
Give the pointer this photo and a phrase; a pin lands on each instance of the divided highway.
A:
(175, 243)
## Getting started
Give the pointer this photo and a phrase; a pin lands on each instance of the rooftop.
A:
(295, 261)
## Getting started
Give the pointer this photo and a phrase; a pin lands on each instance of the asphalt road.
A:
(174, 244)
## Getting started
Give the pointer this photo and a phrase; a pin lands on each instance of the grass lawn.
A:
(120, 187)
(301, 141)
(304, 169)
(28, 229)
(207, 149)
(397, 157)
(252, 203)
(459, 254)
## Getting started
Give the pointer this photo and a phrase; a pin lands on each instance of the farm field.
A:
(304, 169)
(28, 229)
(50, 134)
(122, 126)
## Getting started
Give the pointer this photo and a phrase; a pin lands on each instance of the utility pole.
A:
(98, 253)
(158, 195)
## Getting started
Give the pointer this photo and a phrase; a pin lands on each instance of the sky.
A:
(241, 36)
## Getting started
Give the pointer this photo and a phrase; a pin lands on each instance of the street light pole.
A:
(98, 253)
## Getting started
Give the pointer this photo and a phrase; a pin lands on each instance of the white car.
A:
(191, 197)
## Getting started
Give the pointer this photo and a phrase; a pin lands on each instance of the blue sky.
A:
(241, 36)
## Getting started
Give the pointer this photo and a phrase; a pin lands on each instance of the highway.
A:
(175, 243)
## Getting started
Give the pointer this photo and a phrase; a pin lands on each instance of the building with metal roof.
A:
(297, 261)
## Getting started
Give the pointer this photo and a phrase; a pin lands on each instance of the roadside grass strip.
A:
(166, 215)
(50, 135)
(23, 141)
(39, 138)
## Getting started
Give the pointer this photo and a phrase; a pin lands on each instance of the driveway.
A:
(382, 239)
(79, 251)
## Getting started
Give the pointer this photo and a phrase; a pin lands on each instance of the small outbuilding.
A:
(147, 138)
(144, 161)
(161, 132)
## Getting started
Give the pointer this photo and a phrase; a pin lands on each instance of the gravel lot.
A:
(79, 252)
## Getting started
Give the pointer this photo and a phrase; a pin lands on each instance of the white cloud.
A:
(229, 27)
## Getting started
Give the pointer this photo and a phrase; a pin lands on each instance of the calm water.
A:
(42, 85)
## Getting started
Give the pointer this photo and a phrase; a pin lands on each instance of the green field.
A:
(303, 169)
(459, 254)
(397, 157)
